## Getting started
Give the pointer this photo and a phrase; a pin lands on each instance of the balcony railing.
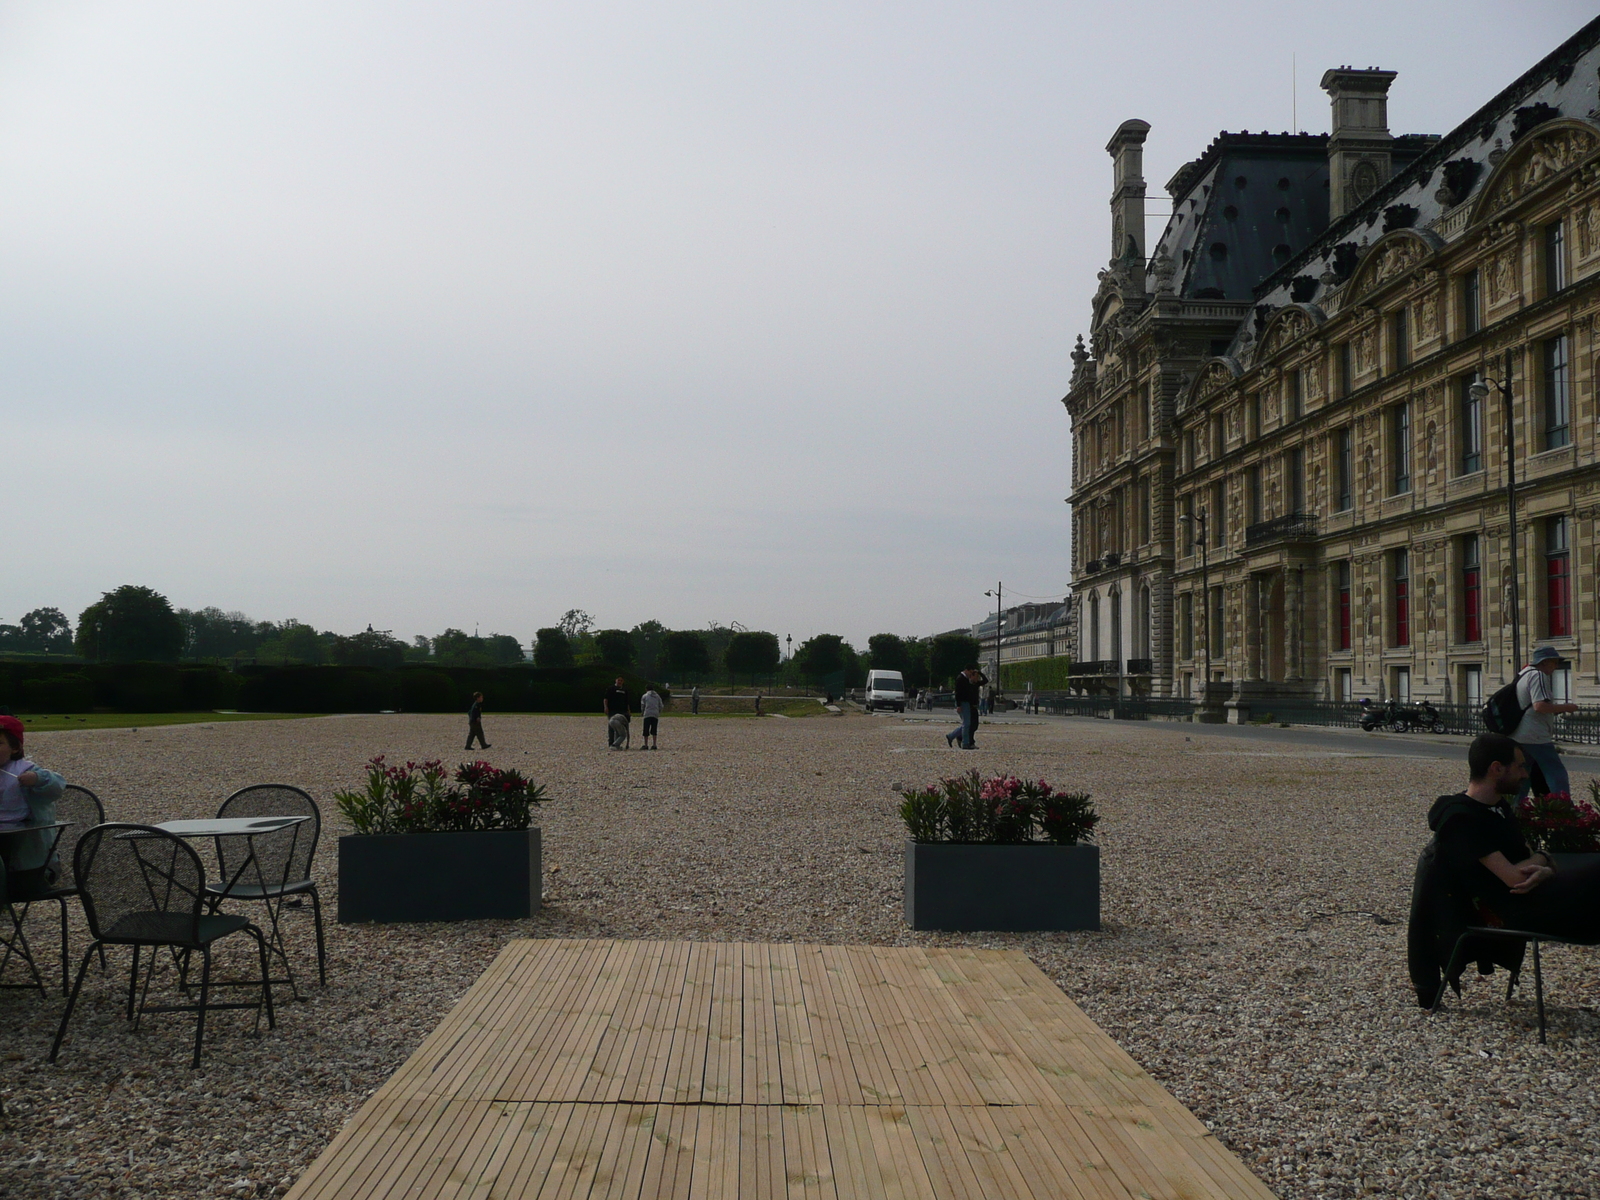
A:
(1141, 666)
(1294, 527)
(1105, 666)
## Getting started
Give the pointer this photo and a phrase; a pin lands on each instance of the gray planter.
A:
(1034, 886)
(439, 876)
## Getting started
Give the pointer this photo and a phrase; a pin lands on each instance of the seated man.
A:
(1482, 848)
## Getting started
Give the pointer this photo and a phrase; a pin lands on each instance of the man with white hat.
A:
(1536, 732)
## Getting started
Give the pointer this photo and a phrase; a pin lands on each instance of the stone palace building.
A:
(1290, 429)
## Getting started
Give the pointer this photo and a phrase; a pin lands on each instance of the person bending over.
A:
(1482, 847)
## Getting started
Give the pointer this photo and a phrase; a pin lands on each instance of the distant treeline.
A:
(139, 625)
(61, 687)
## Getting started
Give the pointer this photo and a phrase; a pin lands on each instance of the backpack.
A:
(1503, 712)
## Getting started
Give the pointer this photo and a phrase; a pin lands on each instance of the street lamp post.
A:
(999, 620)
(1199, 519)
(1480, 392)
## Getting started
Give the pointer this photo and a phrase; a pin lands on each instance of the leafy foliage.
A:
(575, 623)
(131, 624)
(417, 798)
(370, 648)
(615, 647)
(684, 654)
(751, 652)
(949, 655)
(1003, 810)
(1561, 824)
(648, 639)
(42, 631)
(552, 648)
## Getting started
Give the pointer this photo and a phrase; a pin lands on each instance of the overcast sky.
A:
(467, 313)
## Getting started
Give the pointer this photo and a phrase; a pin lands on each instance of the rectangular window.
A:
(1400, 681)
(1188, 450)
(1219, 515)
(1557, 578)
(1253, 417)
(1144, 512)
(1294, 394)
(1561, 685)
(1341, 588)
(1472, 686)
(1555, 258)
(1471, 304)
(1214, 634)
(1186, 625)
(1400, 429)
(1401, 566)
(1216, 438)
(1471, 590)
(1294, 480)
(1344, 499)
(1343, 685)
(1142, 423)
(1557, 394)
(1469, 423)
(1252, 494)
(1347, 374)
(1399, 339)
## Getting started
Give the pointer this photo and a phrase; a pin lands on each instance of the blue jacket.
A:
(29, 849)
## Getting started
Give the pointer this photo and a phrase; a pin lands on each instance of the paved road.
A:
(1389, 745)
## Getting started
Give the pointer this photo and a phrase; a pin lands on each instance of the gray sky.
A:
(454, 313)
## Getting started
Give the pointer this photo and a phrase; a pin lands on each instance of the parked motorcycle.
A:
(1401, 718)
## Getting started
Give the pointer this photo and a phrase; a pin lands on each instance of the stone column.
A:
(1294, 602)
(1252, 628)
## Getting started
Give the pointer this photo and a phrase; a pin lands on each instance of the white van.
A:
(886, 689)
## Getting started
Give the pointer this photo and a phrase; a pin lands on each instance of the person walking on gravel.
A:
(1536, 732)
(475, 721)
(650, 710)
(968, 685)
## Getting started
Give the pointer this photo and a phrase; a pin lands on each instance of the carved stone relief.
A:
(1428, 317)
(1366, 345)
(1502, 276)
(1588, 225)
(1548, 154)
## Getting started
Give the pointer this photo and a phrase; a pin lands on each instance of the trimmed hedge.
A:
(1046, 674)
(54, 687)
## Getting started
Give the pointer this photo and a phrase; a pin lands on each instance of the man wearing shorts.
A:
(650, 709)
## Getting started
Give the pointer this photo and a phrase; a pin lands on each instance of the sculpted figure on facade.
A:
(1428, 316)
(1546, 154)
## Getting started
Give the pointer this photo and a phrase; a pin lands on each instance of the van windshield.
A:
(889, 685)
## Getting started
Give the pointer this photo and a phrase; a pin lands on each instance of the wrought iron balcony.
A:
(1141, 666)
(1105, 666)
(1295, 527)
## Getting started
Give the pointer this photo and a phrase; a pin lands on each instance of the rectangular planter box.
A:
(1035, 886)
(439, 876)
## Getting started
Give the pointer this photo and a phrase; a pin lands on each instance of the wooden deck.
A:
(689, 1069)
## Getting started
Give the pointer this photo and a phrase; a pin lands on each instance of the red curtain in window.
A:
(1472, 626)
(1558, 595)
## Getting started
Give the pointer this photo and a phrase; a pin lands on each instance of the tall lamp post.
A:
(1199, 519)
(999, 619)
(1480, 393)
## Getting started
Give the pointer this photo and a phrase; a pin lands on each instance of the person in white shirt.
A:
(1536, 732)
(650, 709)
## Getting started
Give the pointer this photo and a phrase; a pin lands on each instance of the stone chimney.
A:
(1126, 148)
(1358, 148)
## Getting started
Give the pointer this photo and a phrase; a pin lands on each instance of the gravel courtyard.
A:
(1253, 957)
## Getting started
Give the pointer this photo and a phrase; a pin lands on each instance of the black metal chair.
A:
(1459, 957)
(14, 939)
(82, 809)
(141, 886)
(284, 857)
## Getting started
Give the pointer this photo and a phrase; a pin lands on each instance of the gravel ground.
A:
(1241, 961)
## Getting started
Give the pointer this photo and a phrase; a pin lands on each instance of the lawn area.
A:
(55, 724)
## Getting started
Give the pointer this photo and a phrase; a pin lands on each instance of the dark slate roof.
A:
(1243, 209)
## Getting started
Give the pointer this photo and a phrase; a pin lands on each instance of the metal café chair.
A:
(83, 810)
(141, 886)
(283, 860)
(15, 940)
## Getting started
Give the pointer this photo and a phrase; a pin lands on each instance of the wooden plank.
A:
(717, 1161)
(684, 1074)
(624, 1025)
(799, 1074)
(831, 1049)
(646, 1077)
(724, 1077)
(869, 1052)
(762, 1077)
(557, 1074)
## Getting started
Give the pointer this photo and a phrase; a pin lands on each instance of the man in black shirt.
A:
(615, 704)
(968, 687)
(1482, 847)
(475, 721)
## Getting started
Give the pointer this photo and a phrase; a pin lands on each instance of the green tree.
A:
(551, 649)
(504, 650)
(827, 659)
(648, 637)
(131, 624)
(46, 631)
(684, 655)
(888, 652)
(615, 647)
(293, 643)
(370, 648)
(751, 653)
(575, 623)
(950, 654)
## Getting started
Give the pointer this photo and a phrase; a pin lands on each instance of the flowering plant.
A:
(1002, 810)
(419, 798)
(1559, 824)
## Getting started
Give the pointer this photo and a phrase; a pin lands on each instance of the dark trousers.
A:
(475, 730)
(651, 726)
